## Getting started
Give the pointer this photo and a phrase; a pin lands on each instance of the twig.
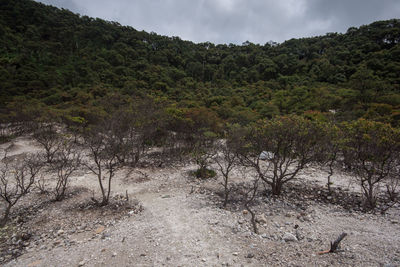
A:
(334, 245)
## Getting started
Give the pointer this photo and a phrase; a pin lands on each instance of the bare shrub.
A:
(65, 162)
(104, 152)
(226, 159)
(332, 144)
(47, 136)
(392, 188)
(203, 152)
(16, 179)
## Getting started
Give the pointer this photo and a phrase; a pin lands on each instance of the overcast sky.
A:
(237, 21)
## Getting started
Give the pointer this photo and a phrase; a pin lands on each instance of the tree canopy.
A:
(51, 57)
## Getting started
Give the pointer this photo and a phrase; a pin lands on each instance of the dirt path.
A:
(176, 228)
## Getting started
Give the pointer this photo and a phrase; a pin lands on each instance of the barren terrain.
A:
(173, 219)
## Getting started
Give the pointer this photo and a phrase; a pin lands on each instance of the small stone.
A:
(99, 230)
(245, 212)
(203, 260)
(142, 255)
(250, 255)
(32, 264)
(60, 232)
(329, 197)
(105, 235)
(235, 254)
(114, 254)
(261, 219)
(81, 263)
(288, 237)
(166, 196)
(264, 236)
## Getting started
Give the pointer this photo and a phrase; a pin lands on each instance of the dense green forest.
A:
(72, 65)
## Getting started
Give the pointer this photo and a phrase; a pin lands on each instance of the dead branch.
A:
(334, 245)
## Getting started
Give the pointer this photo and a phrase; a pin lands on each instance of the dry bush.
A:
(16, 179)
(105, 152)
(226, 159)
(48, 138)
(65, 162)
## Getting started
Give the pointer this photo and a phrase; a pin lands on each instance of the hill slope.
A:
(67, 60)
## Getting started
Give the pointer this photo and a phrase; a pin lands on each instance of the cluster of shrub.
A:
(277, 150)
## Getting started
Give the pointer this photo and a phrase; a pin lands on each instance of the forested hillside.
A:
(68, 63)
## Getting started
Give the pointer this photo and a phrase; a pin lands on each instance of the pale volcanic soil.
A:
(174, 219)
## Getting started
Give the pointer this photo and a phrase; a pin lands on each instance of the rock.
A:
(235, 254)
(203, 260)
(166, 196)
(143, 255)
(105, 235)
(261, 219)
(99, 230)
(264, 236)
(60, 232)
(81, 263)
(114, 254)
(245, 212)
(266, 155)
(288, 237)
(299, 235)
(250, 255)
(25, 236)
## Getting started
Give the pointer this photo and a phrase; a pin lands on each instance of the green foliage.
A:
(52, 57)
(370, 148)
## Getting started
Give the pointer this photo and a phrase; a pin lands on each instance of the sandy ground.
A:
(173, 219)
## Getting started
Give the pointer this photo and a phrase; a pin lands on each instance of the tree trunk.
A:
(226, 192)
(276, 188)
(6, 214)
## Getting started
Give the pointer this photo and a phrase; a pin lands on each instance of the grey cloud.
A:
(236, 21)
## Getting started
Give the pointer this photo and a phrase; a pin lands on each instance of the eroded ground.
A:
(173, 219)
